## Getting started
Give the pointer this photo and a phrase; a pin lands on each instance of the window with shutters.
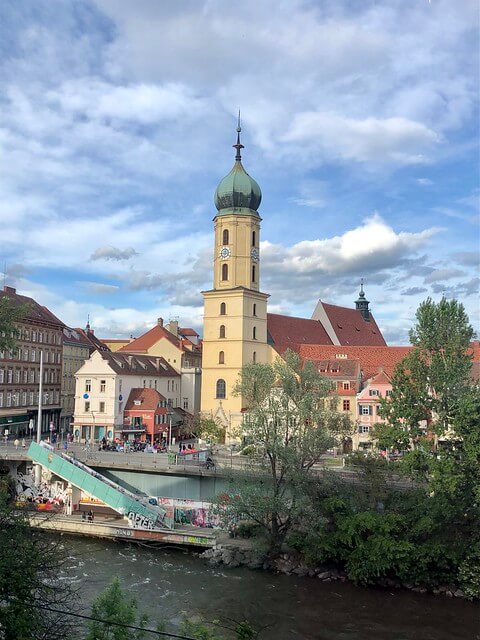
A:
(221, 358)
(223, 309)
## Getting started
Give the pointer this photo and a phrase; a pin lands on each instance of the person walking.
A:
(16, 443)
(24, 444)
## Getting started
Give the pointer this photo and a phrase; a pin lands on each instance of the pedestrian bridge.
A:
(139, 511)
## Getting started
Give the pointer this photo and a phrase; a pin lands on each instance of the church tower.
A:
(361, 303)
(235, 317)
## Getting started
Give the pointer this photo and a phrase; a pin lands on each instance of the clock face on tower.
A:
(225, 253)
(255, 254)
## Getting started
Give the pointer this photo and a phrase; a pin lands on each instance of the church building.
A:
(235, 317)
(237, 328)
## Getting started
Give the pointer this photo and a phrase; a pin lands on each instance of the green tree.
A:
(113, 607)
(30, 585)
(291, 421)
(10, 314)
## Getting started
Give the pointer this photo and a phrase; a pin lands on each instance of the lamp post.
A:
(170, 414)
(92, 431)
(38, 468)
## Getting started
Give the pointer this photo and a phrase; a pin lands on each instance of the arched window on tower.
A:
(224, 271)
(254, 357)
(225, 236)
(254, 237)
(222, 331)
(253, 273)
(254, 333)
(223, 309)
(221, 357)
(254, 309)
(221, 389)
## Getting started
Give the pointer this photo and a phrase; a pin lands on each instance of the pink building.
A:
(378, 386)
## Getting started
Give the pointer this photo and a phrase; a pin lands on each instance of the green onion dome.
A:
(237, 191)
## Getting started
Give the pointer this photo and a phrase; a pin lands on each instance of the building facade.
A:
(103, 386)
(76, 351)
(235, 316)
(181, 348)
(147, 416)
(40, 332)
(368, 407)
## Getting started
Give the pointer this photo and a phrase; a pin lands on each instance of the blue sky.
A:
(359, 123)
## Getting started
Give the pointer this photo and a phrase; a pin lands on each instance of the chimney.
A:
(160, 322)
(173, 327)
(7, 289)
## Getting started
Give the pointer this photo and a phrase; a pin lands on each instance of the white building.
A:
(103, 385)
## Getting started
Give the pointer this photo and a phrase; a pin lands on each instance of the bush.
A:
(469, 573)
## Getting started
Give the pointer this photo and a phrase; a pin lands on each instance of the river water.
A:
(168, 582)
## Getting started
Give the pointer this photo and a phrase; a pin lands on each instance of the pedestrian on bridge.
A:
(24, 444)
(16, 443)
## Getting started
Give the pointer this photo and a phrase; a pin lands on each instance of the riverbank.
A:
(244, 553)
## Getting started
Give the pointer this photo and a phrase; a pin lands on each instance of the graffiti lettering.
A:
(137, 521)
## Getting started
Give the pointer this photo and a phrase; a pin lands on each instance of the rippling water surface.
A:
(169, 582)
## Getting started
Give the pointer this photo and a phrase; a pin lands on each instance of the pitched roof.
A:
(148, 398)
(148, 339)
(286, 332)
(135, 365)
(341, 369)
(35, 313)
(74, 336)
(188, 331)
(380, 378)
(371, 358)
(95, 343)
(351, 328)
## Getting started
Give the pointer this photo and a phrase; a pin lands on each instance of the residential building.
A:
(235, 316)
(76, 350)
(40, 332)
(89, 334)
(368, 403)
(346, 377)
(147, 415)
(182, 349)
(103, 386)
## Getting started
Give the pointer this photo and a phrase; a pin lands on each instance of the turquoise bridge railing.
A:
(138, 510)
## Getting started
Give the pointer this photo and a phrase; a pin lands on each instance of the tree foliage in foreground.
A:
(10, 314)
(428, 535)
(30, 585)
(292, 420)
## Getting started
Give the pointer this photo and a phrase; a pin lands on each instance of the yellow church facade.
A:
(235, 313)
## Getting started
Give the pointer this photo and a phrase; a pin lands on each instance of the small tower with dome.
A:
(235, 319)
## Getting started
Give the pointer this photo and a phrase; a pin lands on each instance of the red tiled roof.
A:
(187, 331)
(350, 327)
(149, 399)
(380, 378)
(95, 343)
(148, 339)
(35, 312)
(286, 332)
(371, 358)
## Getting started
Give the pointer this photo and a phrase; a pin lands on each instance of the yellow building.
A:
(235, 317)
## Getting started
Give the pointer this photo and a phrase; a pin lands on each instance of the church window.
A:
(225, 236)
(223, 309)
(254, 333)
(253, 238)
(222, 331)
(253, 273)
(224, 271)
(221, 389)
(254, 357)
(221, 357)
(254, 309)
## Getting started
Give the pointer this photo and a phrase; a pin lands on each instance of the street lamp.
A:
(92, 431)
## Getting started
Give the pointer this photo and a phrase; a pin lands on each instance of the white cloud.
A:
(99, 288)
(374, 140)
(373, 245)
(440, 275)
